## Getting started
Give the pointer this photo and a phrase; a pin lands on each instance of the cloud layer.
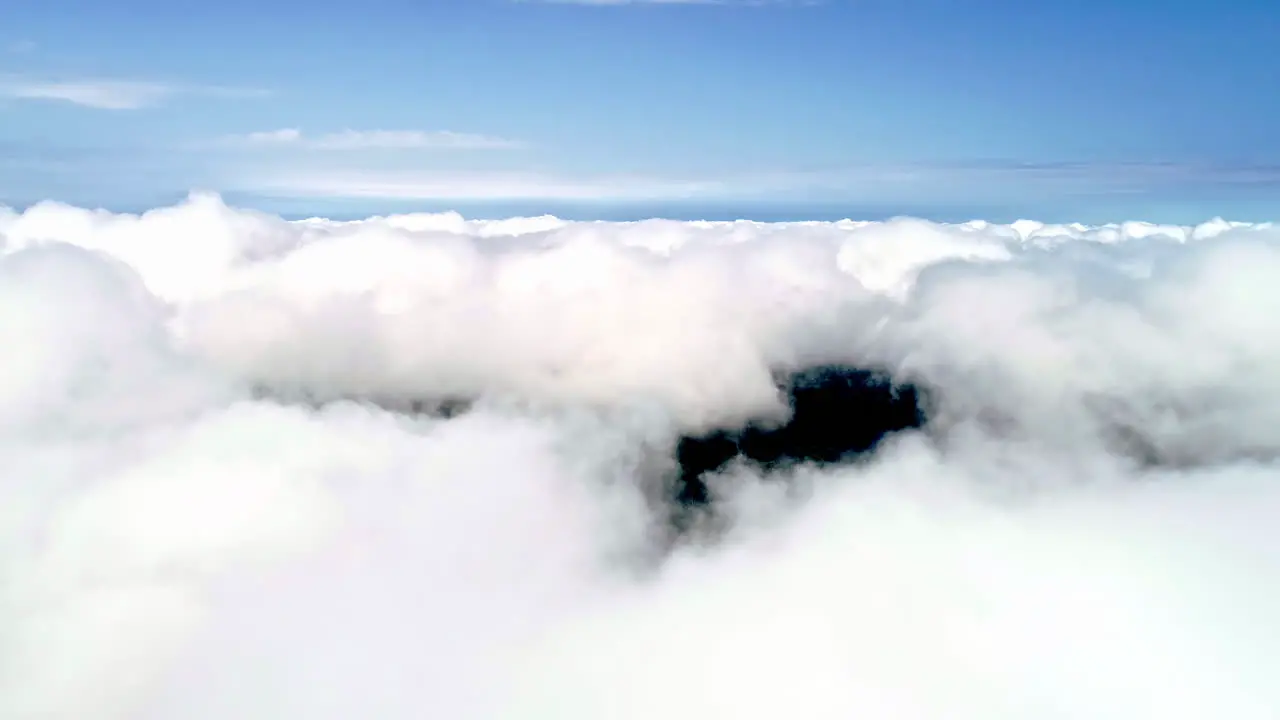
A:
(216, 504)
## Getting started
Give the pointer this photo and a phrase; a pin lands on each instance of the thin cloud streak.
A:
(474, 186)
(375, 140)
(97, 94)
(105, 94)
(974, 180)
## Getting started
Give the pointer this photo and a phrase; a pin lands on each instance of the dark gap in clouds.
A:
(837, 413)
(840, 414)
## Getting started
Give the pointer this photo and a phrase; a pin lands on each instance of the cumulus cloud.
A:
(376, 140)
(220, 498)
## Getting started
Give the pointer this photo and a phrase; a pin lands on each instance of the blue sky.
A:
(1161, 110)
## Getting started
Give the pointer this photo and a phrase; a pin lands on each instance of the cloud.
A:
(100, 94)
(375, 140)
(221, 496)
(22, 47)
(410, 185)
(996, 176)
(105, 94)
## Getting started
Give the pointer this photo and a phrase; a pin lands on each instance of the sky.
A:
(1090, 110)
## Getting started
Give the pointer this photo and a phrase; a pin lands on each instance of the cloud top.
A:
(219, 501)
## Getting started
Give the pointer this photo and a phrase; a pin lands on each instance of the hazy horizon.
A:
(370, 360)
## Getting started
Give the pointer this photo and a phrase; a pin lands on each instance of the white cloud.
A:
(376, 139)
(284, 136)
(105, 94)
(174, 546)
(100, 94)
(409, 185)
(974, 182)
(22, 47)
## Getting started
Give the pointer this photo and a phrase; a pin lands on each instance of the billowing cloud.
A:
(224, 494)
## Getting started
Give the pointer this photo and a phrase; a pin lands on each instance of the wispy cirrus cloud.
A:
(374, 140)
(108, 94)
